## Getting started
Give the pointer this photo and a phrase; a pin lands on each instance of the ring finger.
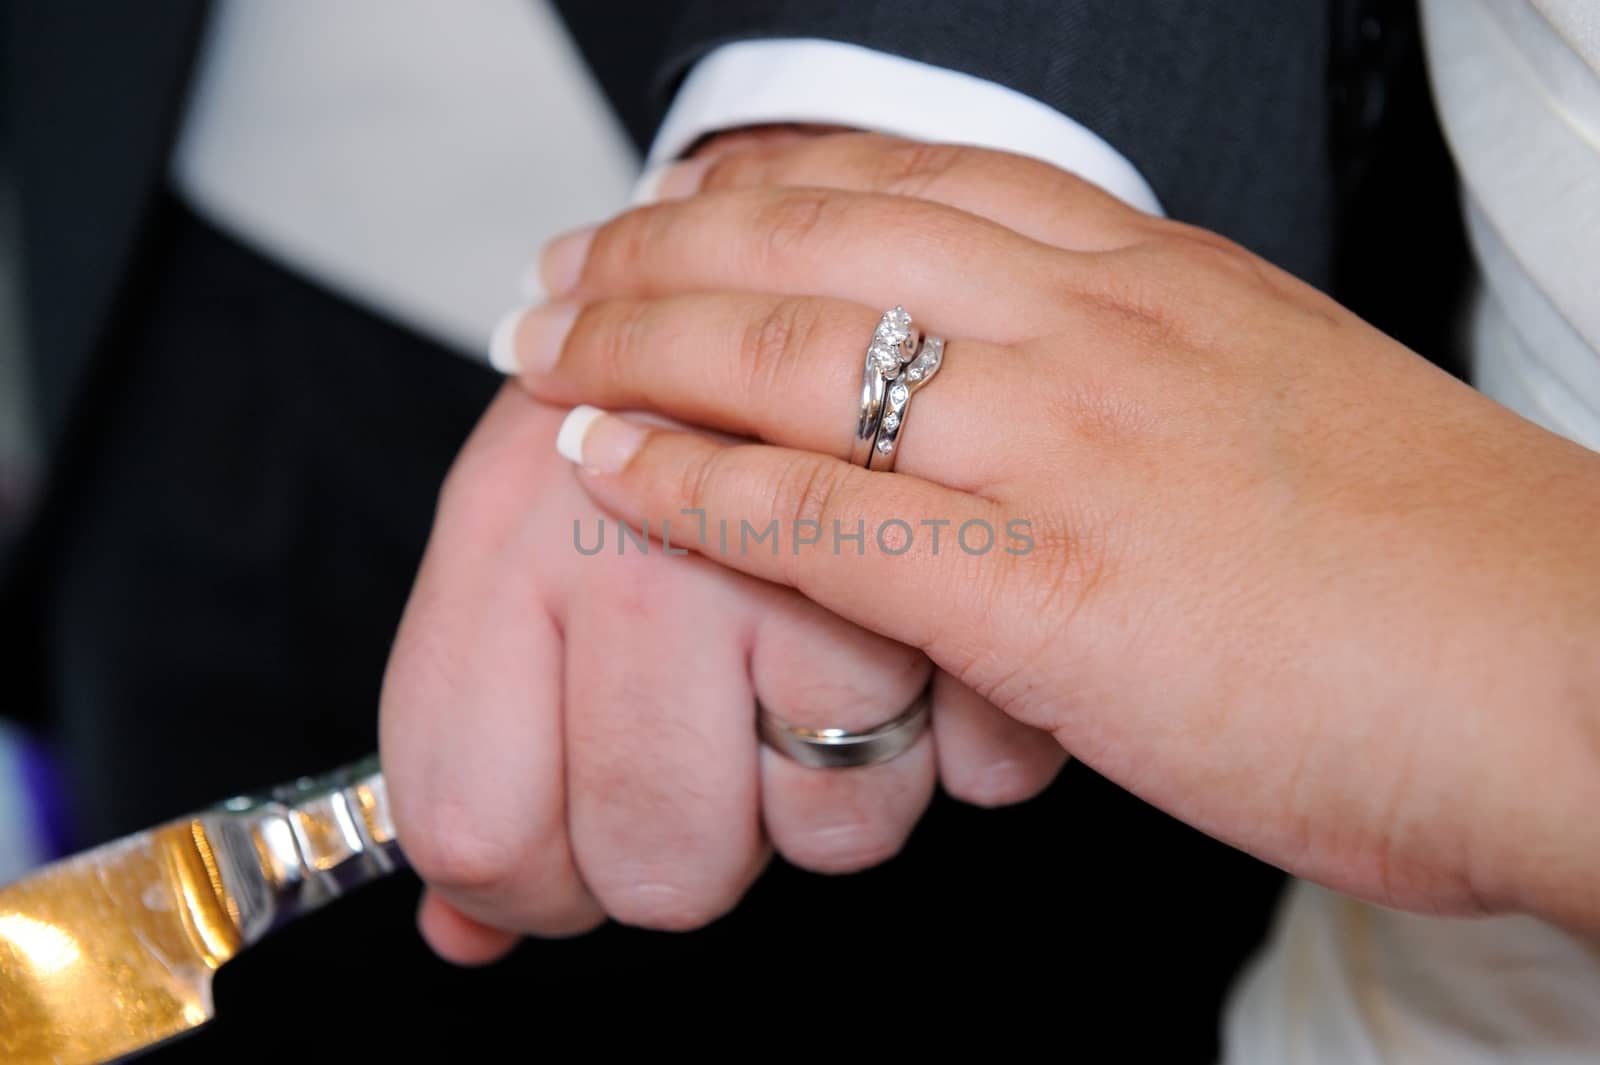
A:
(783, 369)
(838, 820)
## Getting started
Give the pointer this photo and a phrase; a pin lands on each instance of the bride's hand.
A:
(1276, 574)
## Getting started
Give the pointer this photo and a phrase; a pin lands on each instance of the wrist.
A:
(1559, 860)
(1544, 773)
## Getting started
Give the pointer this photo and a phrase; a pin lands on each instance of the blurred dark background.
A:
(17, 451)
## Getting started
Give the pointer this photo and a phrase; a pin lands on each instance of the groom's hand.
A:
(572, 736)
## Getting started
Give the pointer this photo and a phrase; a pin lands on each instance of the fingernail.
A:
(645, 190)
(543, 334)
(503, 343)
(562, 261)
(682, 178)
(597, 441)
(672, 181)
(531, 284)
(529, 339)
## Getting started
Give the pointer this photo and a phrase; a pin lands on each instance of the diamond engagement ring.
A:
(837, 748)
(894, 343)
(897, 402)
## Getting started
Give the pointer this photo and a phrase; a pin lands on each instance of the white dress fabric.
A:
(410, 155)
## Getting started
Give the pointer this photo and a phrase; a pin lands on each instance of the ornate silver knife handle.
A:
(296, 847)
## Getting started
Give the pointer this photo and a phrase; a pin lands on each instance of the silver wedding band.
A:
(897, 402)
(836, 748)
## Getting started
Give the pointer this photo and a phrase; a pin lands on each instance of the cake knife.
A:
(112, 951)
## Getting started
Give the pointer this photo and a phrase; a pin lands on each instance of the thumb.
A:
(457, 938)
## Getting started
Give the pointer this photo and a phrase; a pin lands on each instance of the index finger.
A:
(964, 274)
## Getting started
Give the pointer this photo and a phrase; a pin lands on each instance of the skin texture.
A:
(1288, 581)
(572, 738)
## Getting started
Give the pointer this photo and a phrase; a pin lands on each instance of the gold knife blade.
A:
(112, 951)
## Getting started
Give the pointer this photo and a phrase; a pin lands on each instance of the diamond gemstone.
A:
(885, 360)
(898, 394)
(886, 446)
(895, 326)
(914, 373)
(891, 422)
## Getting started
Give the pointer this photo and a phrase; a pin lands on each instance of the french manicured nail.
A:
(503, 343)
(562, 261)
(682, 178)
(597, 441)
(531, 284)
(529, 340)
(647, 188)
(670, 181)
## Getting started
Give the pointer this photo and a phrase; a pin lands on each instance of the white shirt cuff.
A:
(826, 82)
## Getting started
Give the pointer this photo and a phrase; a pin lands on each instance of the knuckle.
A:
(773, 344)
(700, 479)
(808, 496)
(1179, 290)
(808, 490)
(1128, 302)
(792, 223)
(874, 694)
(613, 336)
(840, 686)
(911, 168)
(731, 170)
(450, 850)
(1195, 250)
(1077, 563)
(423, 671)
(627, 240)
(1065, 581)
